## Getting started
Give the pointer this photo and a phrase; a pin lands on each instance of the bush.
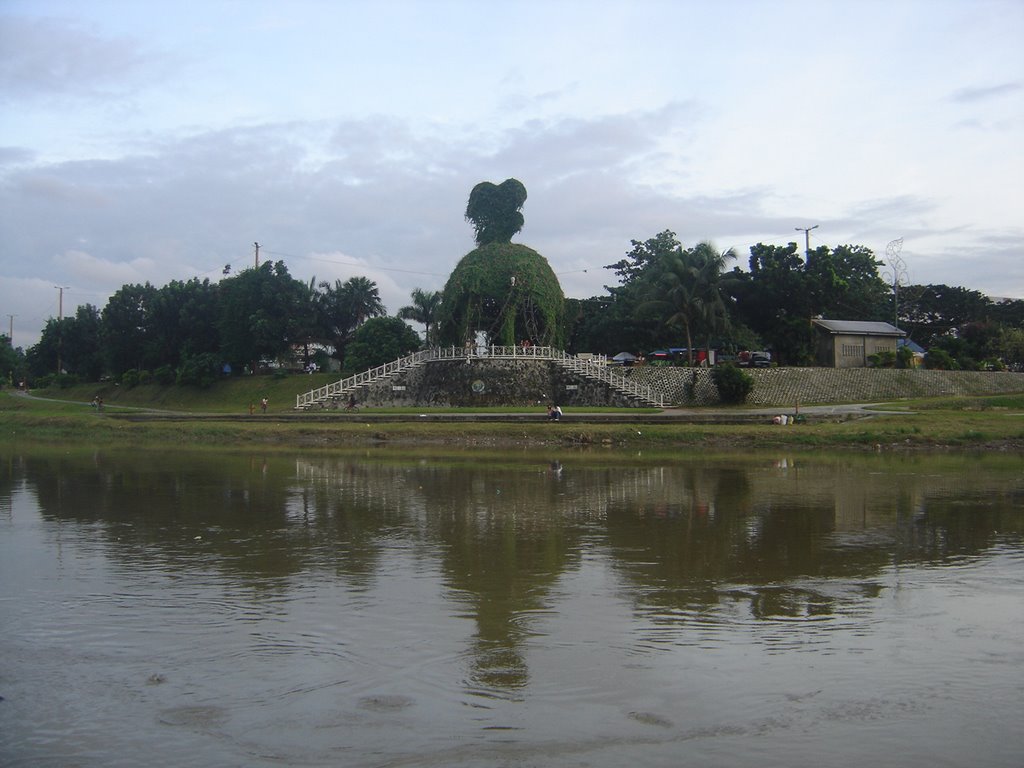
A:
(886, 359)
(904, 357)
(733, 384)
(940, 360)
(145, 377)
(130, 378)
(165, 375)
(199, 371)
(60, 381)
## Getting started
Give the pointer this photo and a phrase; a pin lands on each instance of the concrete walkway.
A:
(709, 415)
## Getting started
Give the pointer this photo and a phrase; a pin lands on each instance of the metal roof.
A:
(859, 327)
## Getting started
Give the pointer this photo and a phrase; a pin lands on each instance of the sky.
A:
(157, 141)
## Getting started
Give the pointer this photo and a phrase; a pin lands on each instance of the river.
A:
(391, 608)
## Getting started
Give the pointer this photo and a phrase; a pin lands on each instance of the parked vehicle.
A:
(759, 359)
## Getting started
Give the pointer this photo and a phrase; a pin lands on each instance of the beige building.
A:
(849, 343)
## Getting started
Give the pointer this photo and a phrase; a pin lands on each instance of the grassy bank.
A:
(989, 423)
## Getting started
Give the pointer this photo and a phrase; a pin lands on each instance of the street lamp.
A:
(807, 237)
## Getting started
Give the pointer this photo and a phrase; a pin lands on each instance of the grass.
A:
(963, 403)
(987, 423)
(979, 422)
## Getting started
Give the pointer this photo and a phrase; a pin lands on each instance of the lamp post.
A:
(807, 238)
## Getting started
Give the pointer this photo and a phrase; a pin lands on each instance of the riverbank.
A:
(974, 423)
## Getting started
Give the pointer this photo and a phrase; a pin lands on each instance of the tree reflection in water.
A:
(696, 541)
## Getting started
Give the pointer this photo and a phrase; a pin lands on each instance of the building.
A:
(849, 343)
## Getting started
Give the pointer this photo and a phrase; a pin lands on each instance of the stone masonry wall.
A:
(785, 386)
(535, 382)
(489, 383)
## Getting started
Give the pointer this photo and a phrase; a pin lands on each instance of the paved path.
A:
(708, 415)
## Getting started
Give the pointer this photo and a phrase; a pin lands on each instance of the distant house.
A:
(849, 343)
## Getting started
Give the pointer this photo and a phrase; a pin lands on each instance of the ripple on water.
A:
(194, 716)
(386, 702)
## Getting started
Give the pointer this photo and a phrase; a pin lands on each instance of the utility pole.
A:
(60, 318)
(257, 255)
(807, 238)
(10, 339)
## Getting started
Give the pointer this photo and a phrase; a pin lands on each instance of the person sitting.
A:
(554, 412)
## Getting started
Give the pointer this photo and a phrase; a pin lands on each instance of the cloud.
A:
(971, 95)
(46, 57)
(15, 156)
(85, 269)
(385, 198)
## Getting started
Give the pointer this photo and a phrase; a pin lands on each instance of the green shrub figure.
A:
(503, 289)
(733, 384)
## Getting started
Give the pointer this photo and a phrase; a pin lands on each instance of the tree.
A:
(859, 293)
(72, 340)
(645, 255)
(930, 312)
(81, 352)
(494, 210)
(378, 341)
(782, 293)
(424, 309)
(616, 323)
(12, 361)
(346, 306)
(684, 289)
(182, 323)
(126, 325)
(258, 314)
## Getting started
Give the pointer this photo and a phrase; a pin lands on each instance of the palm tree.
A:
(424, 309)
(685, 289)
(346, 306)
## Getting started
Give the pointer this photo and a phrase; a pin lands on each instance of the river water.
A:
(384, 608)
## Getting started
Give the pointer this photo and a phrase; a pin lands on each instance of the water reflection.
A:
(699, 544)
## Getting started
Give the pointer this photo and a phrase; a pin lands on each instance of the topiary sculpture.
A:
(505, 290)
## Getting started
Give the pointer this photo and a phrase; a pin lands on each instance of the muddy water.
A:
(185, 609)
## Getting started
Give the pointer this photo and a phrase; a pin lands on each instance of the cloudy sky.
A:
(154, 141)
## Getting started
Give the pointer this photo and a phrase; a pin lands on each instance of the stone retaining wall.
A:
(529, 382)
(488, 383)
(785, 386)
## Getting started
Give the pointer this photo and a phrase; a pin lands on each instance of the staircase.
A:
(592, 368)
(328, 396)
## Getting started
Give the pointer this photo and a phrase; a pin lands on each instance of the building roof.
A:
(859, 327)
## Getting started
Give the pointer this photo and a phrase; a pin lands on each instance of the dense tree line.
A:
(671, 296)
(666, 295)
(193, 332)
